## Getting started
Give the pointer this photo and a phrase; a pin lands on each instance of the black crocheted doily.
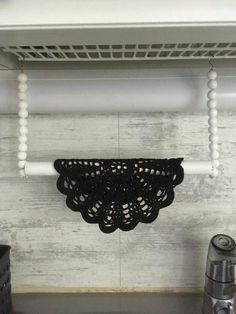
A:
(118, 193)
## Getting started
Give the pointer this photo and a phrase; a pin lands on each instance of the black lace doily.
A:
(118, 193)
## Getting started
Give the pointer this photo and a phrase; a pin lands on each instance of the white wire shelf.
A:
(152, 51)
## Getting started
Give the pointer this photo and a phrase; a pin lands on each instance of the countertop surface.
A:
(176, 303)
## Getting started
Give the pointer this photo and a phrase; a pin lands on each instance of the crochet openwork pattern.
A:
(118, 193)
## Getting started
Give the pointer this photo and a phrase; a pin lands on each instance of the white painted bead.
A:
(22, 139)
(215, 155)
(22, 87)
(213, 130)
(212, 113)
(213, 146)
(212, 75)
(23, 122)
(22, 95)
(212, 122)
(211, 94)
(23, 113)
(22, 147)
(213, 138)
(22, 77)
(21, 155)
(23, 130)
(215, 163)
(212, 84)
(21, 164)
(211, 104)
(22, 172)
(23, 104)
(214, 172)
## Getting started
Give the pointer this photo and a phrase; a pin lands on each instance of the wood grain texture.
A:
(54, 250)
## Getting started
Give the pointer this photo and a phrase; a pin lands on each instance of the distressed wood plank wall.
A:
(53, 249)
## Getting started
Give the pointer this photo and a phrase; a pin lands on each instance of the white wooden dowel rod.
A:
(47, 168)
(197, 167)
(40, 169)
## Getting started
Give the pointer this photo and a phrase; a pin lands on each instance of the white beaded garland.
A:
(23, 113)
(22, 147)
(22, 87)
(21, 163)
(211, 94)
(213, 146)
(22, 95)
(22, 77)
(211, 104)
(214, 172)
(212, 122)
(212, 84)
(23, 122)
(22, 172)
(212, 113)
(22, 139)
(213, 130)
(22, 155)
(214, 154)
(213, 138)
(212, 75)
(23, 104)
(23, 130)
(215, 163)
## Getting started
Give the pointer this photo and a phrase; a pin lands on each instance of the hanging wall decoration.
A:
(118, 193)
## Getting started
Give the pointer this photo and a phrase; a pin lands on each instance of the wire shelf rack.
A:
(152, 51)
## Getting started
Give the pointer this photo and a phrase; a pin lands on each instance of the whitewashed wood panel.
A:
(53, 249)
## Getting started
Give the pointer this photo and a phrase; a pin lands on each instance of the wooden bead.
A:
(23, 122)
(213, 146)
(212, 113)
(213, 138)
(23, 113)
(23, 104)
(21, 164)
(22, 147)
(22, 77)
(22, 87)
(22, 95)
(22, 139)
(212, 75)
(211, 104)
(214, 155)
(211, 94)
(214, 172)
(23, 130)
(212, 122)
(22, 172)
(21, 155)
(212, 84)
(213, 130)
(215, 163)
